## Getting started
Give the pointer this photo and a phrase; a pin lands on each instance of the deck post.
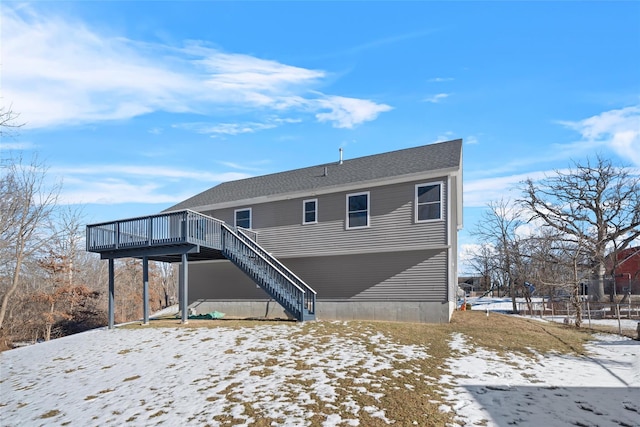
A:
(111, 293)
(184, 279)
(145, 289)
(180, 290)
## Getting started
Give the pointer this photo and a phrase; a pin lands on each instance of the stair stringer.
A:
(269, 274)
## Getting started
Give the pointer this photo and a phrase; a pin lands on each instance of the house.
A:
(473, 285)
(373, 237)
(627, 271)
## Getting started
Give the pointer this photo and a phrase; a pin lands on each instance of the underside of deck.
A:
(170, 253)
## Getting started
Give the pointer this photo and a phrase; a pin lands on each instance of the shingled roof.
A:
(410, 161)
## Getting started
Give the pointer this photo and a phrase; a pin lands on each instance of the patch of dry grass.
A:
(205, 323)
(508, 334)
(410, 392)
(630, 333)
(50, 414)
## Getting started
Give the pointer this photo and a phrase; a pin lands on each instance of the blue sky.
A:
(138, 105)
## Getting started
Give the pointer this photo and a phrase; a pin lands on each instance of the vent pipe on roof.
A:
(326, 171)
(340, 155)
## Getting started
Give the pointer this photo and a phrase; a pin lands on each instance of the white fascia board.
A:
(459, 178)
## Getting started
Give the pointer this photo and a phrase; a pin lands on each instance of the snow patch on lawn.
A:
(600, 389)
(160, 375)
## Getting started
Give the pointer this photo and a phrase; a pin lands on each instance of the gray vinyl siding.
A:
(221, 280)
(397, 276)
(392, 225)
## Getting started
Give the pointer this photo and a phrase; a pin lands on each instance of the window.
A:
(428, 202)
(310, 211)
(243, 218)
(357, 210)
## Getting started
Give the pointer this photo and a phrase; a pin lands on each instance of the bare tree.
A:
(62, 296)
(63, 293)
(546, 262)
(595, 203)
(25, 205)
(168, 281)
(8, 121)
(498, 228)
(561, 262)
(524, 267)
(67, 226)
(483, 261)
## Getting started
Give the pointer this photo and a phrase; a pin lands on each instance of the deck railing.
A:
(155, 230)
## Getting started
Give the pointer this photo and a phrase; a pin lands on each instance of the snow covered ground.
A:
(600, 390)
(175, 376)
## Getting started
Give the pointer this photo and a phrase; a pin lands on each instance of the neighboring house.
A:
(627, 271)
(472, 285)
(375, 237)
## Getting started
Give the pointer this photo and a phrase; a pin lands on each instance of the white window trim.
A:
(304, 212)
(346, 222)
(415, 202)
(235, 217)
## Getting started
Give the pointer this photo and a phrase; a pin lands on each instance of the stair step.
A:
(275, 283)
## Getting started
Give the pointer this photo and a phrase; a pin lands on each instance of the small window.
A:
(243, 218)
(357, 210)
(310, 211)
(428, 202)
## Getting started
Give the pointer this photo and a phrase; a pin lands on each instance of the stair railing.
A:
(204, 230)
(310, 293)
(251, 259)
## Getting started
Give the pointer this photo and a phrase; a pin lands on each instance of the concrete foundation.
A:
(396, 311)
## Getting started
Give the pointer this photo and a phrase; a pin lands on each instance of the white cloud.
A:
(16, 146)
(115, 184)
(477, 193)
(114, 191)
(434, 99)
(243, 74)
(471, 140)
(447, 136)
(348, 112)
(466, 256)
(58, 71)
(251, 167)
(225, 128)
(234, 128)
(617, 129)
(440, 79)
(147, 171)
